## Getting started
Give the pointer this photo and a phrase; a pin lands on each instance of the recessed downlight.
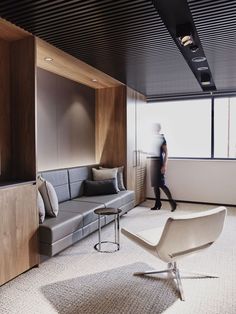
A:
(48, 59)
(202, 68)
(199, 59)
(205, 83)
(94, 80)
(205, 78)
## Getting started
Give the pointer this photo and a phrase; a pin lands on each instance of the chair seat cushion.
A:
(152, 236)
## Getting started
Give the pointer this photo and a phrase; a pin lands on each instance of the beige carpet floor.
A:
(38, 290)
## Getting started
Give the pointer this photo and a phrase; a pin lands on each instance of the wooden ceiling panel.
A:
(67, 66)
(11, 32)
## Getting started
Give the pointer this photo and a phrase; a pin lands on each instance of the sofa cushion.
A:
(55, 228)
(76, 178)
(111, 200)
(51, 249)
(126, 196)
(86, 209)
(100, 187)
(59, 180)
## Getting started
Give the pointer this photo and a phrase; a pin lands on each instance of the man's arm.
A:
(165, 159)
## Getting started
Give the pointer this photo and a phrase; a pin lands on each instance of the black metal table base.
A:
(106, 212)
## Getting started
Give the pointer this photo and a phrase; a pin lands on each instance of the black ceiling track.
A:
(137, 42)
(179, 22)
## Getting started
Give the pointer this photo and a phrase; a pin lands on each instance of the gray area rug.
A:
(113, 291)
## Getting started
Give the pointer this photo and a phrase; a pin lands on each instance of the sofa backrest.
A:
(59, 180)
(77, 176)
(68, 183)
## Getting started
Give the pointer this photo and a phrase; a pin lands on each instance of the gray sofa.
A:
(76, 218)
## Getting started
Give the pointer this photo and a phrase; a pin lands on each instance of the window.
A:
(186, 125)
(225, 127)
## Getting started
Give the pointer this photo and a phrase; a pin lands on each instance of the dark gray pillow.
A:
(100, 187)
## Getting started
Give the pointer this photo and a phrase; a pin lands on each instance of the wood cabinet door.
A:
(136, 166)
(131, 140)
(141, 158)
(18, 230)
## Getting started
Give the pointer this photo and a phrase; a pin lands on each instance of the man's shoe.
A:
(156, 207)
(173, 206)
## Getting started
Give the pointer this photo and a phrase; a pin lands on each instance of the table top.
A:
(107, 211)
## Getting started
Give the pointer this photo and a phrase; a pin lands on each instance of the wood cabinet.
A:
(136, 161)
(110, 126)
(117, 135)
(18, 230)
(18, 210)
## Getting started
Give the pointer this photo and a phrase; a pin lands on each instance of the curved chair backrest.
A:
(188, 234)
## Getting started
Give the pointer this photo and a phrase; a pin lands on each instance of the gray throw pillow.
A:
(41, 208)
(49, 197)
(105, 174)
(120, 177)
(100, 187)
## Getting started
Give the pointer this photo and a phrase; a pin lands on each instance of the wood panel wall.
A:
(5, 125)
(110, 128)
(18, 231)
(22, 68)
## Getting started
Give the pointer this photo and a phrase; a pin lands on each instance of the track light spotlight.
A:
(184, 33)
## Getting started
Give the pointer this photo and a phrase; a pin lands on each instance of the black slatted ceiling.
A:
(125, 39)
(216, 25)
(128, 40)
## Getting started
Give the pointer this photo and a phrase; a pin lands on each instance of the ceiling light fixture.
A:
(48, 59)
(202, 68)
(193, 47)
(199, 59)
(94, 80)
(186, 40)
(205, 78)
(184, 33)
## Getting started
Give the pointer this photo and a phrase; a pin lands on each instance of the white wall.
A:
(210, 181)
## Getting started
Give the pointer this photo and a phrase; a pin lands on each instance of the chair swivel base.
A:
(172, 268)
(96, 246)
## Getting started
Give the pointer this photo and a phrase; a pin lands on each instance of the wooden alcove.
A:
(20, 55)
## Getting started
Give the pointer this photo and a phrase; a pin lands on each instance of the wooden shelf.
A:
(7, 184)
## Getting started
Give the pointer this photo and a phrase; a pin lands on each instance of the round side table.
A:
(105, 212)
